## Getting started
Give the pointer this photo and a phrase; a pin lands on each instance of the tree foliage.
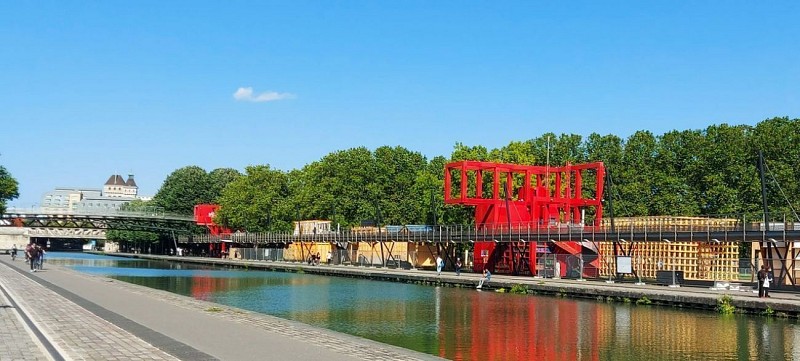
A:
(191, 185)
(183, 189)
(9, 188)
(131, 236)
(256, 201)
(218, 179)
(709, 171)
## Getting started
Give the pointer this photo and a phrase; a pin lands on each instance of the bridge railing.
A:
(652, 229)
(147, 212)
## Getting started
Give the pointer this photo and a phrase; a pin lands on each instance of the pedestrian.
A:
(14, 252)
(487, 276)
(319, 257)
(768, 279)
(762, 280)
(330, 258)
(458, 266)
(28, 252)
(439, 264)
(40, 260)
(33, 257)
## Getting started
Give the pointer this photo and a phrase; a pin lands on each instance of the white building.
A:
(116, 187)
(115, 193)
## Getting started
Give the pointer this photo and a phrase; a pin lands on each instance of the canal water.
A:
(466, 324)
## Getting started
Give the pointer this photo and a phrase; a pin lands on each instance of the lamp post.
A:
(639, 272)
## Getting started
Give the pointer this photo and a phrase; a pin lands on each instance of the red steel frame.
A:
(532, 197)
(204, 216)
(536, 200)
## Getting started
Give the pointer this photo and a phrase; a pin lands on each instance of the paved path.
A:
(84, 317)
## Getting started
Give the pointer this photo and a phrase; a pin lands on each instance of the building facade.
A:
(115, 193)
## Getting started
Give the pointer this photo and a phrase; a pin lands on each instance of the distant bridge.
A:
(118, 220)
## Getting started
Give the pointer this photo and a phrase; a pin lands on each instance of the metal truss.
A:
(78, 233)
(103, 222)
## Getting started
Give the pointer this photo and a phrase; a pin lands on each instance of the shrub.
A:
(519, 289)
(725, 306)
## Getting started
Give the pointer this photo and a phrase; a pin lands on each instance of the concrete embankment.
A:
(783, 304)
(61, 314)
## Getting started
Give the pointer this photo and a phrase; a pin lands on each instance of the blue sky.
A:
(88, 89)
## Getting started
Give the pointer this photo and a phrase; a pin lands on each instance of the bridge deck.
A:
(466, 234)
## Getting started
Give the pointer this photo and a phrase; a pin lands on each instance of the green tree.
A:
(675, 160)
(430, 187)
(257, 201)
(632, 187)
(342, 183)
(218, 179)
(726, 177)
(515, 152)
(131, 236)
(463, 152)
(395, 176)
(9, 188)
(778, 138)
(183, 189)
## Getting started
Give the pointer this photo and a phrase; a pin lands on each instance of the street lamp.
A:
(639, 272)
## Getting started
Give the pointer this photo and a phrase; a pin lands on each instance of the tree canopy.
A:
(9, 188)
(682, 172)
(191, 185)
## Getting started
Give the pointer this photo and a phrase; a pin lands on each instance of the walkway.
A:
(60, 314)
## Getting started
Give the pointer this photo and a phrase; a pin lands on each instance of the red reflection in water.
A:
(504, 327)
(203, 287)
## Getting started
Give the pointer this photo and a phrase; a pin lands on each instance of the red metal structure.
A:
(511, 198)
(204, 216)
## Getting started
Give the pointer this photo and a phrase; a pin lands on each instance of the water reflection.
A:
(465, 324)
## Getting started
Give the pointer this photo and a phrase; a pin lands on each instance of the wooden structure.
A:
(711, 260)
(697, 260)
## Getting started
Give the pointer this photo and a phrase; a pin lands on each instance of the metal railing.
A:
(694, 229)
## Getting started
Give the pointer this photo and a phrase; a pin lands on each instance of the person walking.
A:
(330, 257)
(40, 260)
(14, 253)
(487, 276)
(33, 257)
(458, 266)
(439, 264)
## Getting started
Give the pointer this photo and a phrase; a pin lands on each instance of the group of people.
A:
(314, 259)
(457, 266)
(440, 265)
(34, 255)
(764, 280)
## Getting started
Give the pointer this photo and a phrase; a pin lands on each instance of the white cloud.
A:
(246, 95)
